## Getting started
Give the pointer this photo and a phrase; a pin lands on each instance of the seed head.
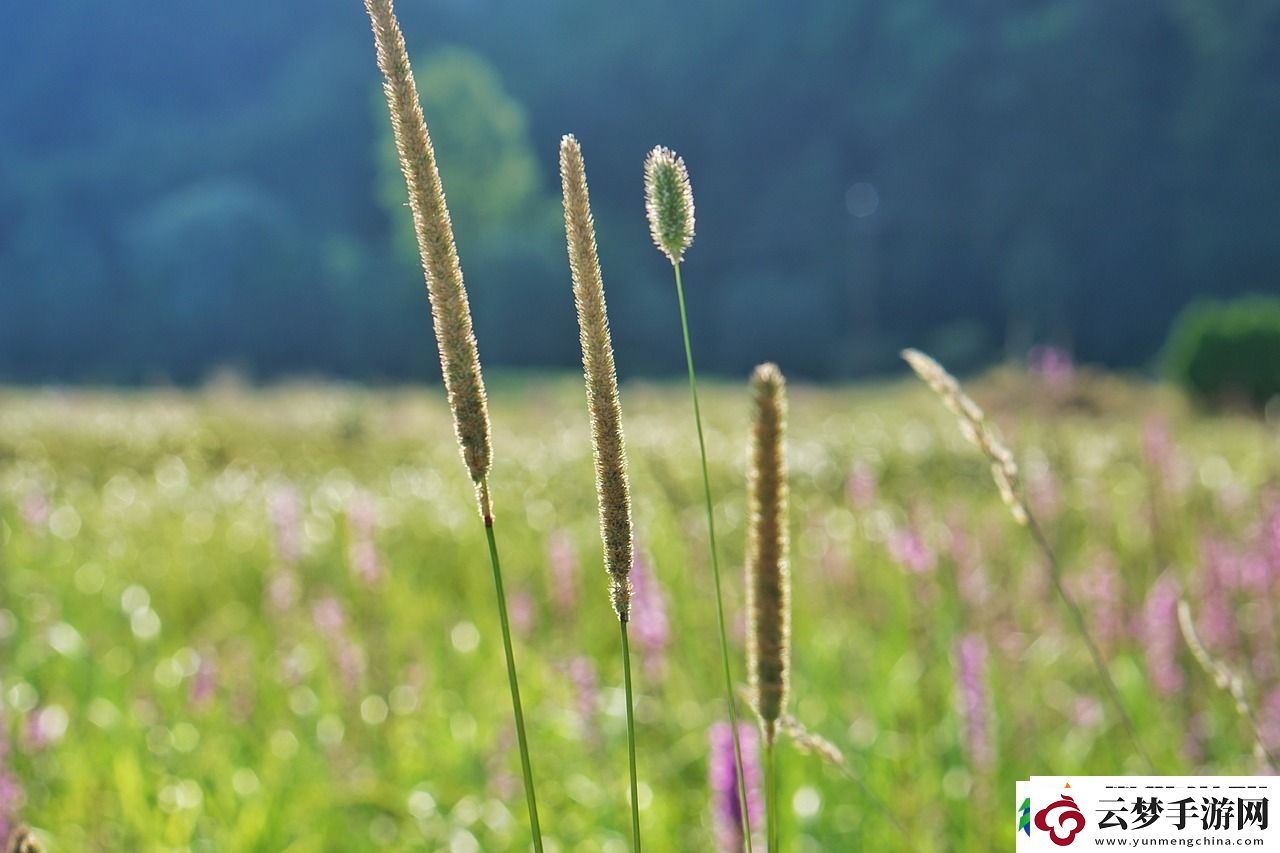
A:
(668, 201)
(975, 427)
(1224, 679)
(23, 840)
(768, 579)
(607, 441)
(450, 311)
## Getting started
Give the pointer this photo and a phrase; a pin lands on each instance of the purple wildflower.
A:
(1162, 457)
(1161, 635)
(524, 612)
(328, 616)
(648, 626)
(726, 812)
(347, 654)
(861, 485)
(1268, 537)
(203, 683)
(35, 510)
(971, 678)
(362, 552)
(586, 688)
(966, 553)
(284, 508)
(1053, 364)
(1220, 575)
(909, 550)
(283, 590)
(1270, 722)
(564, 573)
(45, 727)
(503, 784)
(1087, 712)
(11, 794)
(1102, 591)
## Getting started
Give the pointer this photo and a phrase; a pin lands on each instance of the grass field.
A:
(243, 621)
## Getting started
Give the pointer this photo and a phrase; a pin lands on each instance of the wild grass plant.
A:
(768, 574)
(668, 198)
(613, 491)
(977, 429)
(451, 316)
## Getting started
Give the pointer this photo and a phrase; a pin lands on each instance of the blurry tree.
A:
(508, 226)
(868, 174)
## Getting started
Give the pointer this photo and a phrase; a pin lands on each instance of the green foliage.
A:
(1228, 352)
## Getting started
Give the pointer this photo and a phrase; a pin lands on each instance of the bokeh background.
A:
(186, 187)
(244, 603)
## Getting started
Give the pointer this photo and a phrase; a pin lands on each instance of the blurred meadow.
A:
(261, 620)
(244, 600)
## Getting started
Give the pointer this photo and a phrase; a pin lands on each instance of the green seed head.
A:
(668, 202)
(768, 572)
(607, 442)
(450, 310)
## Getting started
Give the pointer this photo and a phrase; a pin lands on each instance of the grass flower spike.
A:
(978, 430)
(975, 427)
(1224, 679)
(768, 573)
(607, 442)
(450, 310)
(668, 200)
(669, 205)
(451, 318)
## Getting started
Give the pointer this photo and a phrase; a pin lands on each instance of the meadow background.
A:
(243, 598)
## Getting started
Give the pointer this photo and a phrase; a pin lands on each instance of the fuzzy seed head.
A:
(450, 310)
(668, 201)
(976, 429)
(608, 445)
(23, 840)
(768, 579)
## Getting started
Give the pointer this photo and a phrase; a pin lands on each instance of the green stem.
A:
(1082, 628)
(631, 741)
(515, 686)
(715, 567)
(771, 798)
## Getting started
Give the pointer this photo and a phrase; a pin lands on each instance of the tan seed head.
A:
(450, 311)
(975, 427)
(607, 441)
(768, 573)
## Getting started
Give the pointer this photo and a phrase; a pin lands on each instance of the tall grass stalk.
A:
(450, 317)
(1225, 680)
(669, 207)
(768, 573)
(608, 444)
(975, 427)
